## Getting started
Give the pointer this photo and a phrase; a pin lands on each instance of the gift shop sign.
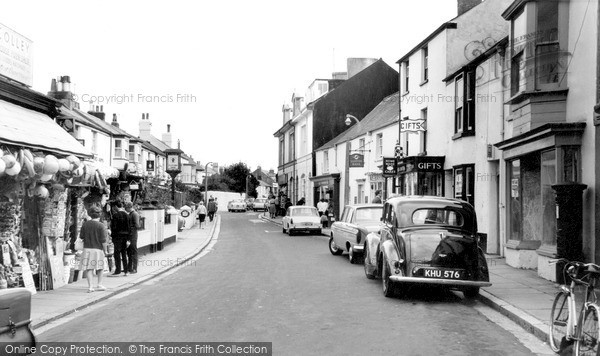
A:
(414, 125)
(16, 56)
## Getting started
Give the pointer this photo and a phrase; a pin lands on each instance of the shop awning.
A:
(23, 127)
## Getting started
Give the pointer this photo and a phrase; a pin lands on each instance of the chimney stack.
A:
(167, 137)
(466, 5)
(297, 102)
(60, 89)
(286, 113)
(114, 122)
(98, 112)
(145, 127)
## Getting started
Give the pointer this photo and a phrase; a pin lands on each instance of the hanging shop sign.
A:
(149, 166)
(414, 125)
(356, 160)
(421, 164)
(389, 166)
(16, 56)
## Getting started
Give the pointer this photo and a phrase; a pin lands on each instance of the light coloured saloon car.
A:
(236, 205)
(349, 233)
(301, 218)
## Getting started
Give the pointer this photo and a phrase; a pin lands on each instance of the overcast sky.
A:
(235, 62)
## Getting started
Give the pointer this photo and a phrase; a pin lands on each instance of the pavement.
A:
(519, 294)
(49, 306)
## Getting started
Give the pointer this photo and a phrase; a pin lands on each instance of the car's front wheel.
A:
(388, 286)
(333, 248)
(352, 256)
(365, 263)
(471, 292)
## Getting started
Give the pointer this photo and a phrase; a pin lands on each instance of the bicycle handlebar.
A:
(572, 268)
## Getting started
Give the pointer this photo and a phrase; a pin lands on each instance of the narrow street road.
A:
(258, 284)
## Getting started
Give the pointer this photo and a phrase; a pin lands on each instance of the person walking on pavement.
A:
(134, 226)
(119, 226)
(277, 199)
(377, 199)
(201, 214)
(212, 209)
(272, 207)
(330, 213)
(288, 203)
(94, 235)
(322, 207)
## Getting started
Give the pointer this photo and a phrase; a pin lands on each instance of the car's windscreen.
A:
(422, 247)
(437, 216)
(305, 212)
(364, 216)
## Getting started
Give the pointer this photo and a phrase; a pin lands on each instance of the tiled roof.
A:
(94, 122)
(158, 143)
(150, 147)
(384, 114)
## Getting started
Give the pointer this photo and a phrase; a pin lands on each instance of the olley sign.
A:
(414, 125)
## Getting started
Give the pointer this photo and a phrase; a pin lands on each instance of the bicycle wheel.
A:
(559, 317)
(589, 334)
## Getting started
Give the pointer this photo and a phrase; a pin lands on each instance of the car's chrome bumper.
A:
(444, 282)
(358, 248)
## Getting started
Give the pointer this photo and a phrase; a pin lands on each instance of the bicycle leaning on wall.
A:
(566, 325)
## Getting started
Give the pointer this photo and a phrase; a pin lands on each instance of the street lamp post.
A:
(206, 181)
(349, 119)
(348, 122)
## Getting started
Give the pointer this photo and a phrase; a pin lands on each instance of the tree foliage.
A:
(233, 179)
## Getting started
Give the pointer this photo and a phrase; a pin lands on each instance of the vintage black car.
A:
(426, 240)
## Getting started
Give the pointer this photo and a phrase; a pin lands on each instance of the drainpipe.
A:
(596, 257)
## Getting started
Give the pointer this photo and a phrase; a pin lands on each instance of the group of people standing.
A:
(123, 232)
(278, 205)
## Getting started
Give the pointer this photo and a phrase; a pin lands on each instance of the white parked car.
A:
(301, 218)
(236, 205)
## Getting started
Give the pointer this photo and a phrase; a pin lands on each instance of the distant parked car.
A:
(236, 205)
(427, 240)
(301, 218)
(349, 233)
(260, 204)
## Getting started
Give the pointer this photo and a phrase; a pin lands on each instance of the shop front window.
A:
(570, 164)
(548, 178)
(432, 183)
(515, 219)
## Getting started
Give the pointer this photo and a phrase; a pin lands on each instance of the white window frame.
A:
(425, 64)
